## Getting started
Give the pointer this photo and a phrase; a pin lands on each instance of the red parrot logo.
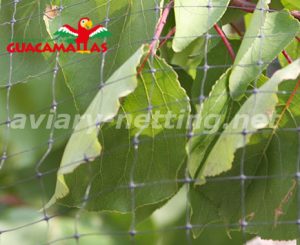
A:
(70, 35)
(82, 35)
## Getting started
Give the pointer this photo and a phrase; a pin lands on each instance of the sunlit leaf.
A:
(83, 143)
(267, 35)
(194, 18)
(258, 109)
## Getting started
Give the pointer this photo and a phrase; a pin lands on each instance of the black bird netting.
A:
(163, 122)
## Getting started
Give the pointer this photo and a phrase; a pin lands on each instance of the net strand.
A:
(9, 87)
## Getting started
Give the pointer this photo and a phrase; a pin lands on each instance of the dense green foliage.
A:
(112, 178)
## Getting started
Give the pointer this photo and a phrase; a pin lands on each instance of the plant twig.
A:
(243, 5)
(140, 69)
(296, 14)
(289, 102)
(167, 37)
(288, 58)
(250, 7)
(160, 26)
(236, 29)
(225, 40)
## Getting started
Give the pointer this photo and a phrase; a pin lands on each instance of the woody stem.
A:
(225, 40)
(250, 7)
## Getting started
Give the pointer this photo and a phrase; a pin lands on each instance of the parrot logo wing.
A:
(66, 33)
(99, 32)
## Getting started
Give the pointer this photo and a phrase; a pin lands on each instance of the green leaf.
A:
(31, 93)
(173, 214)
(218, 103)
(215, 114)
(206, 214)
(271, 196)
(258, 108)
(83, 143)
(191, 57)
(291, 4)
(26, 66)
(218, 60)
(193, 19)
(160, 153)
(131, 24)
(267, 35)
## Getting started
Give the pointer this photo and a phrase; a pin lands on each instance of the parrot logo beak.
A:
(89, 25)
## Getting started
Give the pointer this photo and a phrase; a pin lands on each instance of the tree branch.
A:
(296, 14)
(288, 58)
(243, 5)
(294, 92)
(160, 26)
(226, 42)
(236, 29)
(250, 7)
(167, 37)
